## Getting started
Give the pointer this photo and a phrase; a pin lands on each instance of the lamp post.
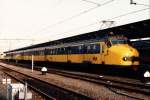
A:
(32, 57)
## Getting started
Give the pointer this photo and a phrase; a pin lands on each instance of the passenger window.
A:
(51, 52)
(89, 47)
(94, 47)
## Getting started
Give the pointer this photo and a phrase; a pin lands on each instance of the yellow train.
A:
(109, 51)
(112, 50)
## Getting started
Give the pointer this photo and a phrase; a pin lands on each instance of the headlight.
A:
(125, 58)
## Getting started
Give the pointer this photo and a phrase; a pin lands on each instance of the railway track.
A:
(49, 91)
(120, 83)
(109, 82)
(31, 86)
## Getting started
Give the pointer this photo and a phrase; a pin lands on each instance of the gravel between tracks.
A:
(97, 92)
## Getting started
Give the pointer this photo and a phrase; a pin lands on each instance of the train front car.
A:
(120, 53)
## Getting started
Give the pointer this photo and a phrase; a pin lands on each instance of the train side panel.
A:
(75, 58)
(56, 58)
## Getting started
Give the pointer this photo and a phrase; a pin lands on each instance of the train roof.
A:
(133, 30)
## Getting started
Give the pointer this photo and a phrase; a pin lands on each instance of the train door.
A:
(96, 53)
(104, 53)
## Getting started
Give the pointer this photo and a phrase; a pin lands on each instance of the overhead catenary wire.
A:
(110, 19)
(92, 2)
(133, 12)
(74, 16)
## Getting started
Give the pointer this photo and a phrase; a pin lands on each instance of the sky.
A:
(28, 22)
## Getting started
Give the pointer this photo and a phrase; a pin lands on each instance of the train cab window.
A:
(119, 42)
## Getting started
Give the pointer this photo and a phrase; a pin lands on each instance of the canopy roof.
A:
(139, 29)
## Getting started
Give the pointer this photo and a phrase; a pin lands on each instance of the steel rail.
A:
(46, 83)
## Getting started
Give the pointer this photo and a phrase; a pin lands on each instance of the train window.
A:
(54, 51)
(94, 47)
(42, 52)
(97, 50)
(35, 52)
(77, 49)
(119, 41)
(64, 51)
(50, 51)
(69, 50)
(38, 52)
(84, 49)
(59, 50)
(89, 47)
(47, 51)
(72, 50)
(80, 49)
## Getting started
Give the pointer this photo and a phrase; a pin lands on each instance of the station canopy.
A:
(135, 30)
